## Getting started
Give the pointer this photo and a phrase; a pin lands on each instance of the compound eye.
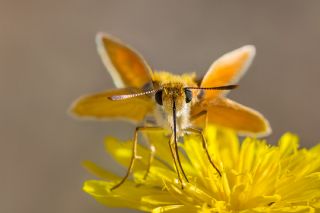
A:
(158, 97)
(188, 95)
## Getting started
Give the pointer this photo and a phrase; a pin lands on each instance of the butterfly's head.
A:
(174, 95)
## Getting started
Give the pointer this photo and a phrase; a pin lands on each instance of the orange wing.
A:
(227, 113)
(228, 69)
(127, 67)
(99, 106)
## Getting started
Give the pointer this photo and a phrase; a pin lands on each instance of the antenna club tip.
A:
(112, 98)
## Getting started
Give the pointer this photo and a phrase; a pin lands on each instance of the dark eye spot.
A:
(188, 95)
(158, 97)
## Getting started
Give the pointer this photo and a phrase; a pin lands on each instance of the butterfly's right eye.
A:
(158, 97)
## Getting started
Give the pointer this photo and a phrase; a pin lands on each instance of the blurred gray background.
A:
(48, 58)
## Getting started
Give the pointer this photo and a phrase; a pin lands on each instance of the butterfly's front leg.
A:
(204, 145)
(152, 149)
(134, 155)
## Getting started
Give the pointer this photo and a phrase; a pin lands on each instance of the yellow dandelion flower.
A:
(256, 177)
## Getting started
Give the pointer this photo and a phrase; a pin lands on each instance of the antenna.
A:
(227, 87)
(126, 96)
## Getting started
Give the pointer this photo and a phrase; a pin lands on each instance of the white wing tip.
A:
(249, 48)
(99, 42)
(100, 35)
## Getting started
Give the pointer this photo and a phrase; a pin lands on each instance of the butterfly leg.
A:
(152, 152)
(205, 146)
(174, 157)
(134, 153)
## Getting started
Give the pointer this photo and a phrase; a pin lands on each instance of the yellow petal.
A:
(288, 144)
(303, 189)
(122, 151)
(174, 208)
(223, 144)
(128, 195)
(99, 171)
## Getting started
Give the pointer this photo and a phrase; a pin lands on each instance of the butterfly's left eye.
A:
(188, 94)
(158, 97)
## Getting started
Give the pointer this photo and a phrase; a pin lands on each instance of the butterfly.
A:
(178, 103)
